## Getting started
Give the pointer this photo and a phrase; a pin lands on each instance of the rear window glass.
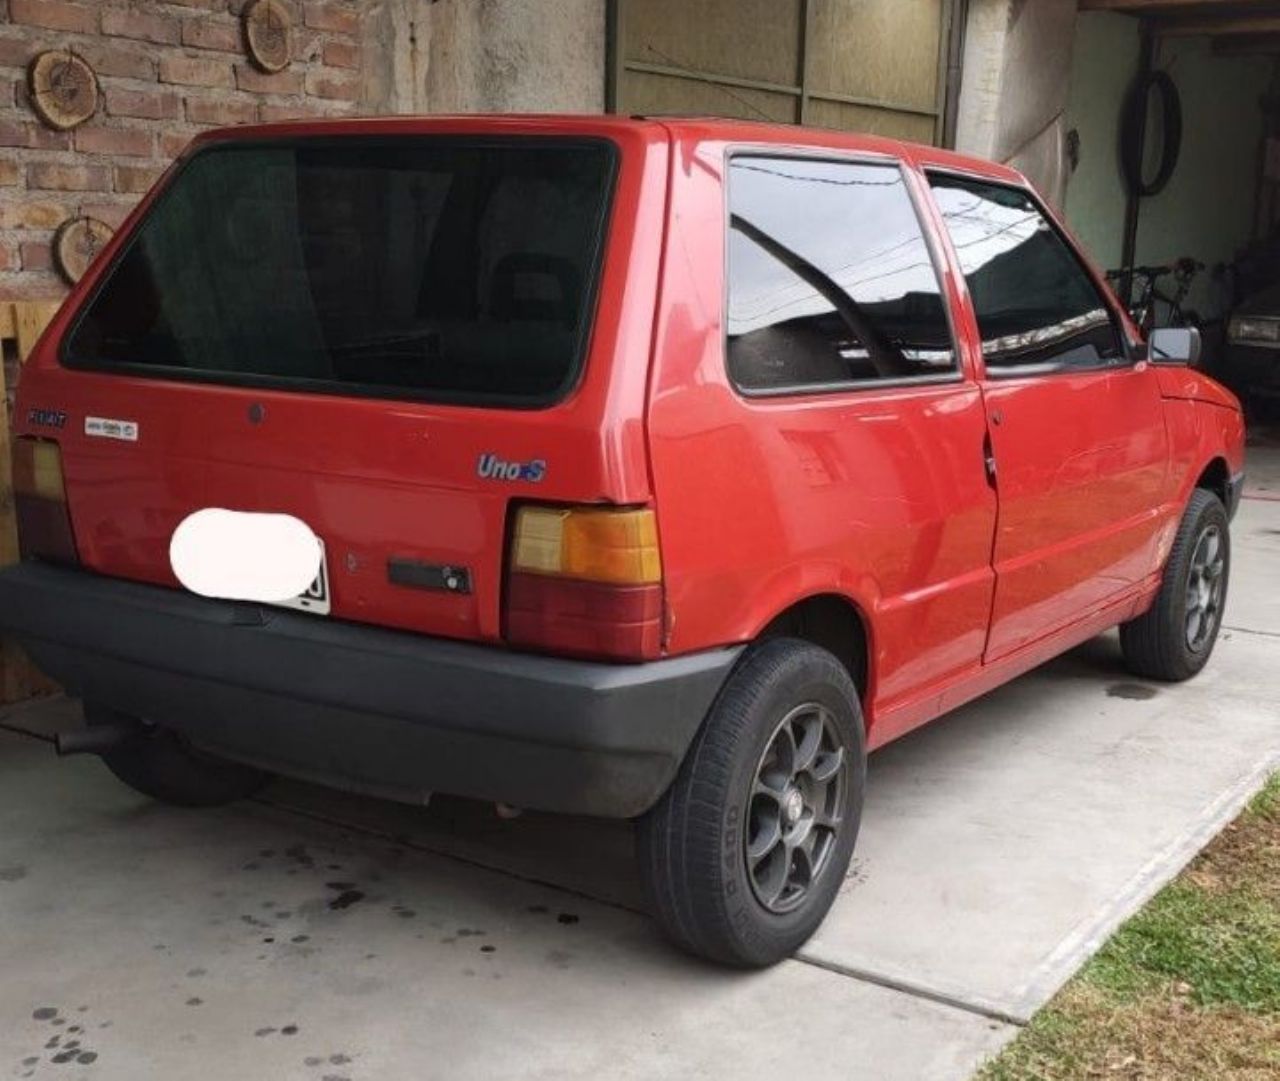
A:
(422, 268)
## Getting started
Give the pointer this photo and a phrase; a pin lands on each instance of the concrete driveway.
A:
(318, 936)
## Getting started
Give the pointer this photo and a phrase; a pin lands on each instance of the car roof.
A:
(686, 130)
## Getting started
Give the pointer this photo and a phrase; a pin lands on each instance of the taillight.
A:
(40, 498)
(586, 581)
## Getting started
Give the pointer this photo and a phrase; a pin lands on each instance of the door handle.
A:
(989, 459)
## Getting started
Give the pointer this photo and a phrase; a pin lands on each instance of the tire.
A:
(159, 763)
(1168, 642)
(1134, 132)
(692, 846)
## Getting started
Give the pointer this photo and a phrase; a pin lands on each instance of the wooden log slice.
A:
(266, 34)
(77, 243)
(64, 89)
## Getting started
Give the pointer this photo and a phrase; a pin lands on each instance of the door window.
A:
(1036, 306)
(830, 278)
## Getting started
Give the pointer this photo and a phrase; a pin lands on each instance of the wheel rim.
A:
(796, 809)
(1206, 581)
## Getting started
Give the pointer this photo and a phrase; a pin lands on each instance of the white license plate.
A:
(316, 598)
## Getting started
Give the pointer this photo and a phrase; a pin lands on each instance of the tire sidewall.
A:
(1206, 511)
(810, 675)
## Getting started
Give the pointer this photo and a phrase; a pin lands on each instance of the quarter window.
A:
(831, 280)
(1035, 304)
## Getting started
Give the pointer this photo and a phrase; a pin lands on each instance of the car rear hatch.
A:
(397, 332)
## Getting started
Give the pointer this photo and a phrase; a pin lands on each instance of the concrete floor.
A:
(318, 936)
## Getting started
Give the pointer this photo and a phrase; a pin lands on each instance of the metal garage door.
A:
(860, 65)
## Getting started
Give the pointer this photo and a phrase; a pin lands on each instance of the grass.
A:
(1188, 989)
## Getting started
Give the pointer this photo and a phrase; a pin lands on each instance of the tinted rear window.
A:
(421, 268)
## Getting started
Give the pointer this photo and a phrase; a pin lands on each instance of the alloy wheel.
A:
(796, 811)
(1205, 583)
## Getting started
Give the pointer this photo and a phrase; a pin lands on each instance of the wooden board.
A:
(21, 322)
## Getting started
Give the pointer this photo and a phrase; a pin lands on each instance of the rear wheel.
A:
(745, 853)
(1174, 639)
(159, 763)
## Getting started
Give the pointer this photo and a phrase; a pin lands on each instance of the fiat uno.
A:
(661, 468)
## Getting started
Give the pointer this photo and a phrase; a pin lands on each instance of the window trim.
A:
(1128, 354)
(593, 282)
(847, 386)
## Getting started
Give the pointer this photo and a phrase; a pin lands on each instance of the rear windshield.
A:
(427, 268)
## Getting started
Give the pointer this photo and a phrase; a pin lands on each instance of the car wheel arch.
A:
(1215, 477)
(835, 623)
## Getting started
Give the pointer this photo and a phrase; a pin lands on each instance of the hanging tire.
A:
(159, 763)
(745, 853)
(1174, 639)
(1133, 132)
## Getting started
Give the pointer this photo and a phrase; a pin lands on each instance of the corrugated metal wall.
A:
(860, 65)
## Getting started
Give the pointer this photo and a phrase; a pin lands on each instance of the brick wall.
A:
(166, 69)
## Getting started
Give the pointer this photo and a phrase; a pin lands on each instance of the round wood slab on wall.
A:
(76, 244)
(64, 89)
(266, 34)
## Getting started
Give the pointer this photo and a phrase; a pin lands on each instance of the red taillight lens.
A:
(40, 499)
(586, 581)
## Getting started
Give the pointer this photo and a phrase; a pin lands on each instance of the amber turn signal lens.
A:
(595, 544)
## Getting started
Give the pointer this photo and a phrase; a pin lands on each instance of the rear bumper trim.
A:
(362, 707)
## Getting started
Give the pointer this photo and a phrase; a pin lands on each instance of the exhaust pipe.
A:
(99, 739)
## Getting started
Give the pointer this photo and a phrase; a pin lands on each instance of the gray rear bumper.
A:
(359, 707)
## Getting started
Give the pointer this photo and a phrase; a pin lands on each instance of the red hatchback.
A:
(653, 469)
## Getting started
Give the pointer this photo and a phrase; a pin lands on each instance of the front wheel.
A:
(745, 853)
(1173, 640)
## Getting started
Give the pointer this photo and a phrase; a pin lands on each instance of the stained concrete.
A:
(1000, 846)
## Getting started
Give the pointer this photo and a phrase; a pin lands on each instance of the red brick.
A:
(221, 111)
(321, 84)
(114, 60)
(125, 142)
(8, 89)
(341, 54)
(277, 114)
(36, 255)
(54, 15)
(8, 261)
(327, 15)
(212, 34)
(57, 177)
(306, 45)
(112, 213)
(284, 82)
(10, 174)
(43, 216)
(32, 136)
(16, 52)
(136, 179)
(173, 143)
(208, 5)
(144, 104)
(195, 71)
(160, 29)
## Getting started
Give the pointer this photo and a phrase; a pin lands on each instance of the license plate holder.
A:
(316, 599)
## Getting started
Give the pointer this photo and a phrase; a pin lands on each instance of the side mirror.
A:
(1174, 345)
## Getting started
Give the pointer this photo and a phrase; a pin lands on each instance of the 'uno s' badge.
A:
(47, 418)
(491, 467)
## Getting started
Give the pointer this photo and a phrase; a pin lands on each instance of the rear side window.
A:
(1035, 304)
(420, 268)
(831, 281)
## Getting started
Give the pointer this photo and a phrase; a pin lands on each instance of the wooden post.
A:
(22, 322)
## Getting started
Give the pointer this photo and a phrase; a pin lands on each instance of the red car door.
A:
(1076, 428)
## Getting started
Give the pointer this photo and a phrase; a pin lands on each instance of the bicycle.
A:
(1144, 307)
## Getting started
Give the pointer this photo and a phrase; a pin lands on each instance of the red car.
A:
(662, 469)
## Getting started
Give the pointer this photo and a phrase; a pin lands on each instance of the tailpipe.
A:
(99, 739)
